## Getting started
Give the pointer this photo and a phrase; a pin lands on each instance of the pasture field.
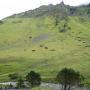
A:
(38, 44)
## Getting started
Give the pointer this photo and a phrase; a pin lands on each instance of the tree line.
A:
(67, 77)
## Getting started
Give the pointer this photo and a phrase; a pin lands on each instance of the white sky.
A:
(9, 7)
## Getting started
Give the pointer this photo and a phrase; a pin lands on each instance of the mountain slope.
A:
(60, 10)
(46, 44)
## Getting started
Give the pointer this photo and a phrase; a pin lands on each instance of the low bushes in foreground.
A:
(67, 77)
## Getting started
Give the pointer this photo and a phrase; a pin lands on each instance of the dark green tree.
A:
(68, 78)
(33, 78)
(20, 83)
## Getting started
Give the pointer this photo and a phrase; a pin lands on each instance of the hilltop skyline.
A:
(10, 7)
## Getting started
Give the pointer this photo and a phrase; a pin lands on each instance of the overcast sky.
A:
(9, 7)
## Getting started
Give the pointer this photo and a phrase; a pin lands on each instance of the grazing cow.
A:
(41, 45)
(30, 37)
(33, 50)
(52, 50)
(46, 47)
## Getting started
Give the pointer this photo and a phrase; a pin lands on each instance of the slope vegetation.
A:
(45, 44)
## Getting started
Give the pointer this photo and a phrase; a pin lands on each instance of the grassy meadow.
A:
(38, 44)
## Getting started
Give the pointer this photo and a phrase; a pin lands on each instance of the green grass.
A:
(41, 88)
(19, 36)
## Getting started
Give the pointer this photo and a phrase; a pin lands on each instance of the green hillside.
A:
(45, 44)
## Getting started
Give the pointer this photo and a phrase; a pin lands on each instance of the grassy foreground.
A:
(38, 44)
(41, 88)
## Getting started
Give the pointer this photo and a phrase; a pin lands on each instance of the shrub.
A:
(62, 30)
(33, 78)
